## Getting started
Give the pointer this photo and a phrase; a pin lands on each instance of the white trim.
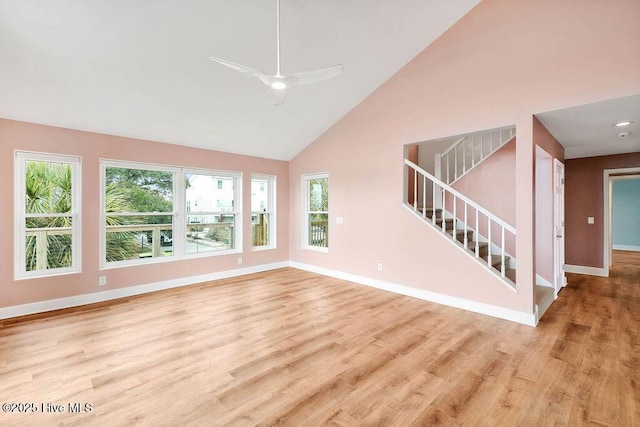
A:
(305, 196)
(271, 210)
(541, 281)
(627, 248)
(78, 300)
(607, 196)
(465, 304)
(591, 271)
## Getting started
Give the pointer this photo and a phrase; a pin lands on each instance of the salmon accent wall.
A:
(91, 147)
(543, 139)
(492, 184)
(499, 65)
(584, 197)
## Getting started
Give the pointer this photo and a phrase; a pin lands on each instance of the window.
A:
(47, 219)
(161, 213)
(212, 222)
(263, 212)
(315, 232)
(139, 212)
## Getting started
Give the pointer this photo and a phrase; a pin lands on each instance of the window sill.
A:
(162, 260)
(49, 273)
(262, 248)
(316, 249)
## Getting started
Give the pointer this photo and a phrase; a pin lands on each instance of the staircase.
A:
(480, 233)
(469, 151)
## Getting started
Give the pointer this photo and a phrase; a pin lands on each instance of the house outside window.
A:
(213, 224)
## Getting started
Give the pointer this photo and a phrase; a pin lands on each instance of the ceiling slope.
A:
(141, 68)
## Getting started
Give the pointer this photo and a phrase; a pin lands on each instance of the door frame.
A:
(608, 176)
(559, 274)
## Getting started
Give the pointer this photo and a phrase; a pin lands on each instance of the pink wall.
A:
(543, 139)
(499, 65)
(492, 184)
(549, 148)
(91, 146)
(583, 198)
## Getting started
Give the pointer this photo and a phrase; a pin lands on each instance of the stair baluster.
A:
(460, 227)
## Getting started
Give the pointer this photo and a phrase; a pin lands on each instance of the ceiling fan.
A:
(277, 82)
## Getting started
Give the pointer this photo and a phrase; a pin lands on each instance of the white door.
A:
(558, 226)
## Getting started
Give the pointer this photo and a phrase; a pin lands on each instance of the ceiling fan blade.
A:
(237, 67)
(313, 76)
(278, 96)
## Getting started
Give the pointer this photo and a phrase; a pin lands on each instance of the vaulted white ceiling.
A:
(140, 68)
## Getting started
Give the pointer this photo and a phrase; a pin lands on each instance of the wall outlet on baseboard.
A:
(239, 260)
(102, 280)
(379, 266)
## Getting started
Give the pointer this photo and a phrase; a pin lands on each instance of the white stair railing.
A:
(462, 210)
(469, 151)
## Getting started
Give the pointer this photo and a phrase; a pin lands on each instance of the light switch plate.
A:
(339, 220)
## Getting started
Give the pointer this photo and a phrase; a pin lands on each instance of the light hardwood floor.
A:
(289, 347)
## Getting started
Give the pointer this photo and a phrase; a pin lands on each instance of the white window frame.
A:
(305, 211)
(271, 210)
(179, 212)
(20, 216)
(237, 211)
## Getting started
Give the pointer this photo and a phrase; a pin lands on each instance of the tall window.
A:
(212, 219)
(263, 205)
(47, 219)
(316, 211)
(162, 213)
(139, 213)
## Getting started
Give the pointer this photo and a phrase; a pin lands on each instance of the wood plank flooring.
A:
(289, 347)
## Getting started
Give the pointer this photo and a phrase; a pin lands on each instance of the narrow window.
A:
(47, 220)
(316, 211)
(263, 211)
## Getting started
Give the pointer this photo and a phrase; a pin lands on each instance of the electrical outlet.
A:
(379, 266)
(591, 220)
(239, 260)
(102, 280)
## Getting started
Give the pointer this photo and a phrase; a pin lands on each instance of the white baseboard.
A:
(529, 319)
(581, 269)
(626, 248)
(74, 301)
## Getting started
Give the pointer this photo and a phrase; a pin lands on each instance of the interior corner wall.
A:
(92, 147)
(499, 65)
(584, 243)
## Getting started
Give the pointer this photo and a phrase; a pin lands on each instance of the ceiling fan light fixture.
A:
(623, 124)
(278, 82)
